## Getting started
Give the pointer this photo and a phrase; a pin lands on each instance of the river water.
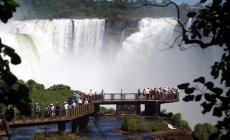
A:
(98, 128)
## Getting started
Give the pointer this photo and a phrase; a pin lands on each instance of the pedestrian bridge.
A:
(79, 116)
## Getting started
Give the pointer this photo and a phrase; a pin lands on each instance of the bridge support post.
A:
(152, 109)
(97, 108)
(138, 109)
(61, 127)
(75, 126)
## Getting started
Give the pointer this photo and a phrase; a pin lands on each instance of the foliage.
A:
(34, 86)
(44, 9)
(204, 131)
(177, 120)
(211, 26)
(138, 125)
(59, 137)
(106, 110)
(59, 87)
(12, 91)
(46, 97)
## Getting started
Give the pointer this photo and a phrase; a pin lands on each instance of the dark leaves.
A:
(183, 86)
(9, 114)
(210, 97)
(7, 7)
(217, 91)
(209, 85)
(188, 98)
(12, 92)
(228, 93)
(217, 112)
(198, 97)
(203, 1)
(189, 90)
(207, 107)
(217, 2)
(191, 14)
(200, 79)
(15, 59)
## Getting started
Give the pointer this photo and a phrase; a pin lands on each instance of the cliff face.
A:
(118, 28)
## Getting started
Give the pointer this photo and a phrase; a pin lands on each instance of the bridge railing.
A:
(55, 114)
(135, 96)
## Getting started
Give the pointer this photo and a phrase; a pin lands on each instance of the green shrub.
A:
(177, 120)
(138, 125)
(204, 131)
(157, 126)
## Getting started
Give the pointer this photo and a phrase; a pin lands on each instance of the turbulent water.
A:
(70, 52)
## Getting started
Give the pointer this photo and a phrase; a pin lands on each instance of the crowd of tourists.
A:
(59, 110)
(79, 98)
(161, 93)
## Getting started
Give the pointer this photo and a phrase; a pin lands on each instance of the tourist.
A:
(37, 110)
(47, 111)
(90, 94)
(51, 111)
(86, 101)
(122, 94)
(79, 101)
(146, 93)
(57, 109)
(138, 93)
(74, 105)
(66, 107)
(102, 94)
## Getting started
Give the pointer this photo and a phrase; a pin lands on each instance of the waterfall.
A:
(69, 51)
(43, 44)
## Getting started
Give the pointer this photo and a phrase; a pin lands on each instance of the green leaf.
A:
(200, 79)
(9, 114)
(218, 91)
(207, 107)
(12, 3)
(189, 90)
(217, 2)
(191, 14)
(198, 97)
(15, 59)
(228, 93)
(188, 98)
(203, 1)
(209, 85)
(183, 86)
(210, 97)
(217, 112)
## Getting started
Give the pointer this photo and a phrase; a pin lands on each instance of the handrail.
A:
(88, 108)
(55, 114)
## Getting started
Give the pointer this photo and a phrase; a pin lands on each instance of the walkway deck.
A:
(44, 118)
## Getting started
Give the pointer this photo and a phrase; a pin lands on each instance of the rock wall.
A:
(118, 28)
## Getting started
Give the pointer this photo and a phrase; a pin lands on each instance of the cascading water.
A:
(69, 51)
(45, 46)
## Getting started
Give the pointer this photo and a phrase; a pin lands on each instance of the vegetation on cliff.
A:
(39, 94)
(43, 9)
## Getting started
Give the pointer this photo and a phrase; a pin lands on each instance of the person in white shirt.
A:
(66, 107)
